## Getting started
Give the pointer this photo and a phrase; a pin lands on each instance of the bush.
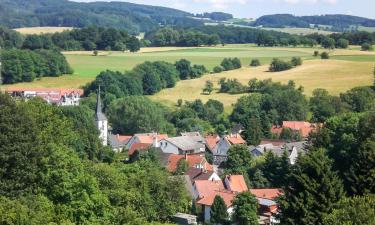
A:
(324, 55)
(279, 65)
(366, 47)
(255, 62)
(342, 43)
(316, 53)
(296, 61)
(218, 69)
(231, 63)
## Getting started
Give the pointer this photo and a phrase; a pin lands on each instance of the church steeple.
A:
(99, 116)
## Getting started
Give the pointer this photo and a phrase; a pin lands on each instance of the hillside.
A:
(62, 13)
(337, 21)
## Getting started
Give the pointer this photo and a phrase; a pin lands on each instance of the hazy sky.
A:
(256, 8)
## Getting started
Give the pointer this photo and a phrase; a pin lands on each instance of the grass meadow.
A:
(346, 69)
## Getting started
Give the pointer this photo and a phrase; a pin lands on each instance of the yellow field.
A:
(42, 30)
(334, 75)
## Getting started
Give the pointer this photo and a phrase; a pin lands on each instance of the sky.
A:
(257, 8)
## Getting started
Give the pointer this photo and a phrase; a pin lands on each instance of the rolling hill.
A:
(63, 13)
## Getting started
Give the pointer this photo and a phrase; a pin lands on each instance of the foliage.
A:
(342, 43)
(353, 211)
(231, 64)
(239, 160)
(231, 86)
(136, 114)
(312, 192)
(296, 61)
(208, 88)
(255, 62)
(26, 65)
(366, 47)
(276, 170)
(359, 99)
(349, 142)
(218, 69)
(186, 71)
(219, 214)
(324, 55)
(279, 65)
(182, 166)
(328, 43)
(245, 207)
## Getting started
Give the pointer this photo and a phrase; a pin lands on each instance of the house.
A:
(292, 149)
(211, 142)
(195, 174)
(186, 144)
(151, 139)
(268, 205)
(140, 147)
(185, 219)
(56, 96)
(205, 192)
(220, 151)
(193, 161)
(235, 183)
(118, 142)
(304, 128)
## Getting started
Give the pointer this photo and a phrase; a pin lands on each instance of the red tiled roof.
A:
(149, 137)
(192, 161)
(139, 147)
(235, 139)
(61, 91)
(266, 193)
(226, 195)
(123, 138)
(303, 127)
(206, 187)
(211, 141)
(236, 183)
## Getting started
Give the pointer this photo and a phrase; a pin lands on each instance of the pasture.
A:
(42, 30)
(346, 69)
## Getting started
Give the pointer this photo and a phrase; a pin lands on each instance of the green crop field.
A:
(346, 69)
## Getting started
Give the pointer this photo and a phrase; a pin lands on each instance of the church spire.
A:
(98, 113)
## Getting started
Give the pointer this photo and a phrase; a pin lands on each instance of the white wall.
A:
(103, 131)
(168, 147)
(293, 156)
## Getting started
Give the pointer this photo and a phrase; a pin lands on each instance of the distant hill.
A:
(337, 22)
(133, 17)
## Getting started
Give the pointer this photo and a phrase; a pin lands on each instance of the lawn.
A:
(346, 69)
(42, 30)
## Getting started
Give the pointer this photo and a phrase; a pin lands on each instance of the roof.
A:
(118, 141)
(266, 193)
(99, 115)
(148, 138)
(48, 94)
(235, 139)
(198, 174)
(192, 160)
(236, 183)
(207, 187)
(266, 202)
(227, 196)
(303, 127)
(138, 147)
(273, 142)
(211, 141)
(187, 143)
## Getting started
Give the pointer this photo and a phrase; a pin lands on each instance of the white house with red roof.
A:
(150, 139)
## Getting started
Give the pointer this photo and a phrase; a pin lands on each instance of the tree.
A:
(183, 66)
(182, 166)
(324, 55)
(136, 114)
(342, 43)
(279, 65)
(324, 105)
(209, 87)
(133, 44)
(255, 62)
(253, 132)
(316, 53)
(219, 214)
(366, 47)
(296, 61)
(277, 169)
(245, 207)
(356, 210)
(313, 190)
(227, 64)
(239, 160)
(359, 99)
(218, 69)
(328, 43)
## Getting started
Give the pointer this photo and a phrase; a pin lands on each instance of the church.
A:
(101, 121)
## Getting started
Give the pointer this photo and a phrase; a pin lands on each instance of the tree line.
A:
(26, 65)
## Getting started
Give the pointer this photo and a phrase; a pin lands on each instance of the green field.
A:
(346, 69)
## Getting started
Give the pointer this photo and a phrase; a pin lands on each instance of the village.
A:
(204, 178)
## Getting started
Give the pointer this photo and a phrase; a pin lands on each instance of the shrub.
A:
(324, 55)
(366, 47)
(296, 61)
(255, 62)
(316, 53)
(218, 69)
(279, 65)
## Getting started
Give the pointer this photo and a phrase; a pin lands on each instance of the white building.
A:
(101, 121)
(183, 145)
